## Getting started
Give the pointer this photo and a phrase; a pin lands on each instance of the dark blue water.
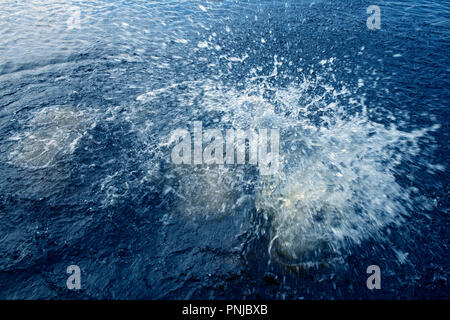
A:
(86, 178)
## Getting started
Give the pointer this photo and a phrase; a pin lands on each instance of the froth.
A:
(51, 135)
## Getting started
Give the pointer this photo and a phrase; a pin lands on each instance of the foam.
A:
(52, 135)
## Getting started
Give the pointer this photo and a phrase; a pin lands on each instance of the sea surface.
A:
(92, 92)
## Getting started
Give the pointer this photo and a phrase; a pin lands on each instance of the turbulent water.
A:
(92, 92)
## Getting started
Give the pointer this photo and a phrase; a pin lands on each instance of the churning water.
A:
(91, 93)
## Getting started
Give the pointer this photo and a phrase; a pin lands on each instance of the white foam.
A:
(53, 134)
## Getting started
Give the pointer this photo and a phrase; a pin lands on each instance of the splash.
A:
(337, 184)
(338, 187)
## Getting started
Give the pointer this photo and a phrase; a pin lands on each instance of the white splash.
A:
(337, 184)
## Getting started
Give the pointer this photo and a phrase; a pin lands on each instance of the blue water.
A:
(86, 178)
